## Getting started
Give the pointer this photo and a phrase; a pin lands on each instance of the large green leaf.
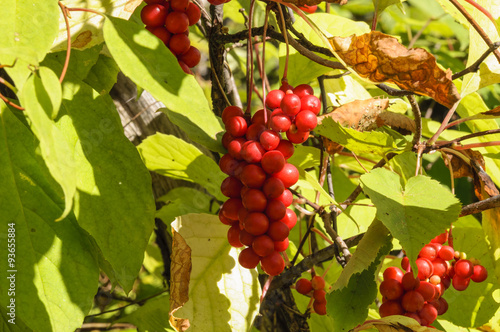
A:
(171, 156)
(152, 316)
(41, 97)
(415, 213)
(28, 30)
(359, 290)
(223, 296)
(55, 265)
(145, 59)
(359, 142)
(476, 305)
(183, 200)
(114, 201)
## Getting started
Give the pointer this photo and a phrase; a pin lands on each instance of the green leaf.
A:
(152, 316)
(405, 165)
(381, 5)
(304, 70)
(183, 200)
(51, 259)
(41, 97)
(171, 156)
(415, 213)
(28, 30)
(359, 142)
(313, 183)
(344, 90)
(222, 295)
(109, 173)
(305, 156)
(359, 290)
(145, 59)
(476, 305)
(103, 75)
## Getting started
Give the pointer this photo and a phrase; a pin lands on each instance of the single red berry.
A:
(412, 301)
(303, 286)
(246, 238)
(154, 15)
(234, 147)
(193, 13)
(460, 284)
(390, 308)
(228, 164)
(179, 44)
(480, 273)
(176, 22)
(280, 122)
(409, 281)
(273, 161)
(252, 152)
(296, 136)
(226, 139)
(281, 246)
(303, 90)
(393, 272)
(275, 210)
(258, 117)
(441, 238)
(273, 264)
(230, 208)
(233, 236)
(318, 282)
(319, 295)
(278, 231)
(319, 308)
(253, 176)
(405, 264)
(273, 98)
(289, 175)
(248, 258)
(254, 131)
(192, 57)
(179, 5)
(236, 126)
(263, 245)
(429, 313)
(447, 253)
(231, 187)
(254, 200)
(290, 104)
(464, 268)
(413, 315)
(306, 120)
(225, 220)
(391, 289)
(185, 67)
(273, 188)
(311, 103)
(428, 252)
(425, 268)
(230, 112)
(290, 218)
(286, 148)
(427, 290)
(440, 267)
(256, 223)
(286, 197)
(161, 33)
(269, 139)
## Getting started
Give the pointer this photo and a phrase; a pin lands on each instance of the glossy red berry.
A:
(154, 15)
(254, 200)
(306, 120)
(252, 151)
(281, 246)
(289, 175)
(193, 13)
(278, 231)
(246, 238)
(269, 139)
(391, 289)
(447, 253)
(393, 272)
(290, 104)
(311, 103)
(290, 218)
(428, 252)
(464, 268)
(296, 136)
(303, 90)
(177, 22)
(179, 5)
(390, 308)
(256, 223)
(273, 98)
(412, 301)
(231, 187)
(280, 122)
(233, 236)
(275, 210)
(460, 284)
(162, 34)
(263, 245)
(318, 282)
(273, 161)
(480, 274)
(248, 258)
(230, 112)
(273, 264)
(192, 57)
(286, 148)
(273, 188)
(286, 197)
(179, 44)
(303, 286)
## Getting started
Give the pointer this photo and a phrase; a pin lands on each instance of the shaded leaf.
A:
(314, 2)
(222, 294)
(381, 58)
(51, 258)
(415, 213)
(41, 97)
(394, 323)
(86, 27)
(21, 36)
(359, 142)
(151, 316)
(360, 288)
(171, 156)
(145, 59)
(182, 200)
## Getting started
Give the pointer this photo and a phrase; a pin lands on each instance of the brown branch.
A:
(64, 11)
(478, 207)
(475, 66)
(394, 92)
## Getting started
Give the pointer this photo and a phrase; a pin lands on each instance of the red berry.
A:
(285, 86)
(193, 13)
(225, 220)
(256, 223)
(429, 313)
(311, 103)
(441, 238)
(480, 274)
(273, 264)
(273, 161)
(252, 151)
(234, 147)
(405, 264)
(233, 236)
(303, 286)
(231, 207)
(258, 117)
(309, 9)
(185, 67)
(460, 284)
(409, 282)
(319, 296)
(281, 246)
(228, 164)
(263, 245)
(254, 200)
(179, 5)
(425, 268)
(161, 33)
(254, 131)
(253, 176)
(464, 268)
(230, 112)
(428, 252)
(179, 43)
(236, 126)
(319, 308)
(427, 290)
(248, 258)
(192, 57)
(275, 210)
(273, 98)
(297, 136)
(306, 120)
(393, 272)
(290, 218)
(153, 15)
(177, 22)
(412, 301)
(226, 139)
(303, 90)
(286, 197)
(273, 188)
(280, 122)
(269, 139)
(318, 282)
(447, 253)
(286, 148)
(290, 104)
(246, 238)
(391, 289)
(278, 231)
(231, 187)
(414, 316)
(289, 175)
(440, 267)
(390, 308)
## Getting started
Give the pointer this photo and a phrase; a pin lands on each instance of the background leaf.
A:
(145, 59)
(152, 316)
(415, 213)
(182, 200)
(222, 295)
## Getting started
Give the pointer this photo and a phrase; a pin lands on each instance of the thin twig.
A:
(444, 123)
(394, 92)
(478, 207)
(475, 66)
(68, 43)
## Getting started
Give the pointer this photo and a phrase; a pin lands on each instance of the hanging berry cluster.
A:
(315, 288)
(259, 175)
(439, 266)
(169, 21)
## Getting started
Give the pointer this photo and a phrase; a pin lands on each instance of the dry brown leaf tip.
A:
(180, 273)
(381, 58)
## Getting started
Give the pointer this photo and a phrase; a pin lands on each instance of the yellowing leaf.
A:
(211, 291)
(394, 324)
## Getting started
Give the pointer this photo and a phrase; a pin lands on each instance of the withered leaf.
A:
(394, 323)
(359, 114)
(494, 112)
(300, 3)
(396, 121)
(381, 58)
(474, 170)
(332, 147)
(180, 272)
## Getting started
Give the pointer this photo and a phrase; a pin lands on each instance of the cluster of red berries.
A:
(420, 298)
(294, 111)
(315, 288)
(259, 175)
(169, 21)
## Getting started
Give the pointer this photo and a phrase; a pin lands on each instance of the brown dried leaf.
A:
(300, 3)
(394, 324)
(331, 147)
(180, 271)
(474, 170)
(396, 121)
(359, 114)
(381, 58)
(494, 112)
